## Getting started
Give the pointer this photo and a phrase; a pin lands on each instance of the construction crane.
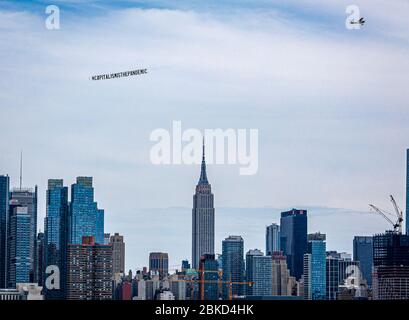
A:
(397, 226)
(202, 282)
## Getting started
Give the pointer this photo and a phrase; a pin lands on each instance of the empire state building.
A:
(202, 218)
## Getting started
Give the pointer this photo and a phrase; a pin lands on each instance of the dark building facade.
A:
(185, 265)
(363, 252)
(332, 275)
(233, 266)
(89, 271)
(28, 198)
(208, 277)
(293, 239)
(4, 217)
(391, 266)
(159, 263)
(18, 243)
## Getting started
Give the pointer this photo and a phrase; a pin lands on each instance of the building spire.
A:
(21, 169)
(203, 175)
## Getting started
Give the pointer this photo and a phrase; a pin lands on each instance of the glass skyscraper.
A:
(19, 260)
(332, 274)
(391, 266)
(56, 228)
(209, 272)
(233, 266)
(259, 272)
(85, 219)
(315, 268)
(26, 197)
(4, 216)
(202, 218)
(363, 252)
(272, 239)
(293, 239)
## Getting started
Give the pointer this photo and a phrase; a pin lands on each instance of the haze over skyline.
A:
(330, 104)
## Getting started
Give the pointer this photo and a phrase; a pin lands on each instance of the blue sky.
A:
(330, 104)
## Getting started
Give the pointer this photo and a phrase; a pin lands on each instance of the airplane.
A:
(361, 22)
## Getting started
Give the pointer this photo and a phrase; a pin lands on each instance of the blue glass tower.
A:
(185, 265)
(4, 215)
(315, 268)
(363, 252)
(293, 239)
(27, 197)
(19, 239)
(56, 227)
(259, 272)
(85, 219)
(233, 265)
(209, 272)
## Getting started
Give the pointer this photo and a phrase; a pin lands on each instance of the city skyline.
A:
(89, 168)
(332, 117)
(306, 254)
(320, 221)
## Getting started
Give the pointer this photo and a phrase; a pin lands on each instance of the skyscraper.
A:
(185, 265)
(159, 263)
(233, 265)
(40, 263)
(347, 269)
(56, 229)
(89, 271)
(339, 267)
(363, 252)
(4, 220)
(259, 272)
(407, 191)
(332, 274)
(26, 197)
(280, 275)
(85, 219)
(272, 238)
(202, 218)
(209, 273)
(293, 239)
(118, 253)
(315, 268)
(391, 266)
(19, 240)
